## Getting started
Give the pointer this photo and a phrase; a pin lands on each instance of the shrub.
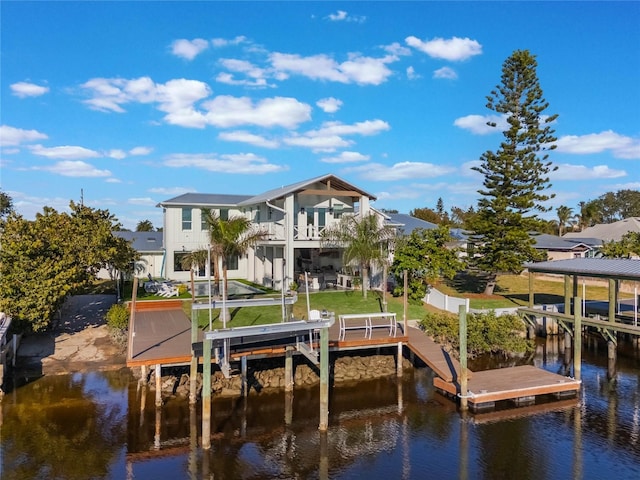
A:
(118, 317)
(182, 289)
(486, 332)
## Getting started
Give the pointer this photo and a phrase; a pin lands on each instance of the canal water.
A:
(102, 426)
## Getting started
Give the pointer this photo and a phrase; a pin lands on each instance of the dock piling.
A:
(206, 394)
(324, 379)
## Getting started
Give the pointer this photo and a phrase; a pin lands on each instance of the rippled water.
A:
(101, 425)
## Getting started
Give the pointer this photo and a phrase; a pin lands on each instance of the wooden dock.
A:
(520, 385)
(162, 336)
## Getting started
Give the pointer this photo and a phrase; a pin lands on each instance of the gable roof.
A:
(608, 231)
(544, 241)
(205, 200)
(143, 241)
(333, 183)
(407, 224)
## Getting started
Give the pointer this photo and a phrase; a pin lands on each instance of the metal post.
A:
(324, 379)
(577, 338)
(206, 394)
(462, 316)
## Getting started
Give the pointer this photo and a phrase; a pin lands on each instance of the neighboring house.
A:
(151, 250)
(405, 224)
(294, 216)
(607, 232)
(558, 248)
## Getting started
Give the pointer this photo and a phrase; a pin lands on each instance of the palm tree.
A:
(564, 215)
(230, 238)
(144, 226)
(193, 260)
(364, 241)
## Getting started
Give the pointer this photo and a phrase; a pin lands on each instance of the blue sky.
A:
(132, 103)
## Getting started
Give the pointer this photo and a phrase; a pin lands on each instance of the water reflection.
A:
(104, 425)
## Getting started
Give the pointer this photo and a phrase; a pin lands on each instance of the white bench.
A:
(367, 322)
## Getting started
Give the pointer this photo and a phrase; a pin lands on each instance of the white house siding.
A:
(288, 228)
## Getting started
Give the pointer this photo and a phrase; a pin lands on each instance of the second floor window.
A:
(186, 219)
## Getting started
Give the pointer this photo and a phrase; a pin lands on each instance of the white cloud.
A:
(358, 69)
(146, 201)
(397, 49)
(227, 111)
(342, 16)
(245, 163)
(117, 154)
(328, 137)
(367, 128)
(477, 124)
(66, 152)
(328, 143)
(247, 137)
(619, 145)
(401, 194)
(27, 89)
(329, 105)
(346, 157)
(70, 168)
(140, 151)
(400, 171)
(189, 49)
(411, 74)
(113, 180)
(258, 76)
(11, 136)
(223, 42)
(229, 79)
(581, 172)
(445, 72)
(178, 98)
(175, 191)
(453, 49)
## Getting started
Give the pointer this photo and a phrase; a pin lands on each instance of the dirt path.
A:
(79, 342)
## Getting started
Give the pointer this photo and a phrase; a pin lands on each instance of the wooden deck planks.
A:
(431, 353)
(164, 336)
(510, 383)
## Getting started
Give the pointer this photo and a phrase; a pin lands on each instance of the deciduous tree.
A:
(57, 254)
(426, 257)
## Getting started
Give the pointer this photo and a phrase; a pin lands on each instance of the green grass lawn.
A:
(340, 302)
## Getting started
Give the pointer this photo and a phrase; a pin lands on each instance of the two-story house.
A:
(293, 216)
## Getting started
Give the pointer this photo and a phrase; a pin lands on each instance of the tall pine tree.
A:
(516, 175)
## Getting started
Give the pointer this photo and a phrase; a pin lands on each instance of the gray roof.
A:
(620, 268)
(294, 187)
(608, 231)
(545, 241)
(143, 241)
(205, 200)
(408, 224)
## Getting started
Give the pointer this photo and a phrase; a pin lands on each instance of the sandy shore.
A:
(79, 342)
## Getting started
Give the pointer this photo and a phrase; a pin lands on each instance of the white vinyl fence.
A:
(445, 302)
